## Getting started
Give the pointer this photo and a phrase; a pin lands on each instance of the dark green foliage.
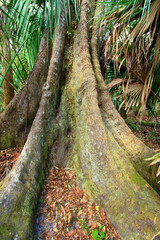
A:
(24, 23)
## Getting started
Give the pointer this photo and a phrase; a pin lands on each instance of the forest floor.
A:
(149, 135)
(64, 211)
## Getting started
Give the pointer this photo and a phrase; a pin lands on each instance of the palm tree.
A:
(133, 41)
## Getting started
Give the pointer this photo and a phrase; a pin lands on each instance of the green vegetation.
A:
(24, 23)
(132, 48)
(96, 234)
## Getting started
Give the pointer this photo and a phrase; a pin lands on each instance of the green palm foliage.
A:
(23, 23)
(132, 32)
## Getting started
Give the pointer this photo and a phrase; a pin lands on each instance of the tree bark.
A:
(20, 189)
(8, 81)
(87, 134)
(8, 87)
(16, 120)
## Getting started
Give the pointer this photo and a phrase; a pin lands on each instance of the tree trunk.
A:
(87, 134)
(16, 120)
(8, 87)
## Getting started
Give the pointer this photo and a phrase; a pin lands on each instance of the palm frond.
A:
(133, 38)
(155, 161)
(131, 92)
(24, 22)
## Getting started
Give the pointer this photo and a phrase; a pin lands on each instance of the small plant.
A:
(84, 225)
(40, 200)
(131, 125)
(98, 235)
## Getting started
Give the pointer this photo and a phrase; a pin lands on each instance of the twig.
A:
(155, 235)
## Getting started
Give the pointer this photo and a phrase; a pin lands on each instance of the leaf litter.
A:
(64, 211)
(8, 157)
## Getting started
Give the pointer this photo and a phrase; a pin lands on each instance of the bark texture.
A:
(103, 148)
(8, 81)
(20, 189)
(87, 134)
(16, 120)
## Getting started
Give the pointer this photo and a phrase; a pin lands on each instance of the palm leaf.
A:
(155, 160)
(24, 23)
(133, 35)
